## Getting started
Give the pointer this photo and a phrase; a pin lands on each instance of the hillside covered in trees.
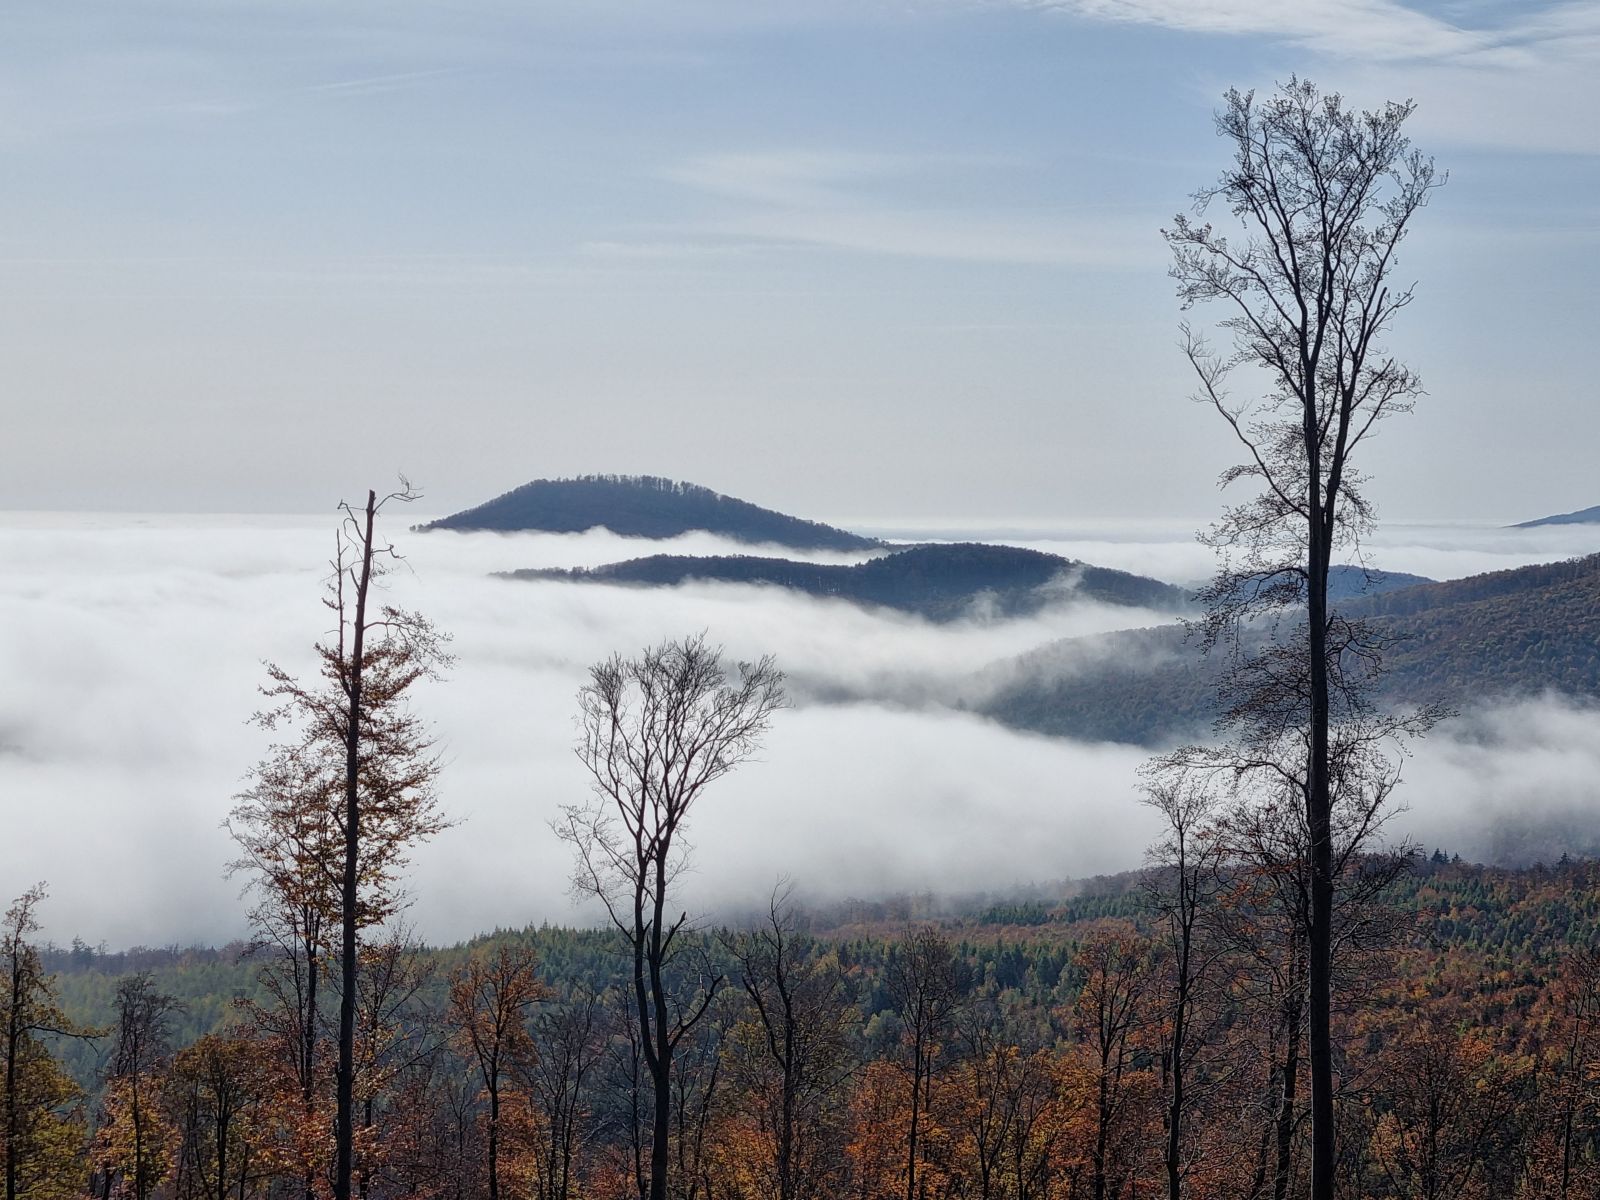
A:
(1584, 516)
(644, 506)
(1046, 1021)
(1506, 634)
(942, 582)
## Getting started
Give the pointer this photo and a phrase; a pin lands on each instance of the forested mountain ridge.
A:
(1523, 918)
(1508, 633)
(939, 581)
(1583, 516)
(645, 506)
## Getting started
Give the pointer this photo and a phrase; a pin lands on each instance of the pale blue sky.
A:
(863, 258)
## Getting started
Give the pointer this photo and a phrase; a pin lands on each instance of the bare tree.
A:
(359, 742)
(655, 732)
(569, 1040)
(798, 1004)
(1323, 196)
(1181, 886)
(927, 984)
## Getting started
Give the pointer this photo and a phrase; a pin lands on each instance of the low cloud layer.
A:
(133, 653)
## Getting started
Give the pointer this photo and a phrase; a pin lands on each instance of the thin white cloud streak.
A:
(846, 201)
(1362, 28)
(1525, 84)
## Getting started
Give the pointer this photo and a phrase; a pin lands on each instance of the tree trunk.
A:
(344, 1126)
(1102, 1127)
(916, 1113)
(494, 1140)
(1287, 1099)
(13, 1044)
(657, 1041)
(1175, 1100)
(1319, 825)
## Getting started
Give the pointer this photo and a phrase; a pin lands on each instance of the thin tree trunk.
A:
(1288, 1098)
(659, 1062)
(344, 1126)
(494, 1140)
(1319, 825)
(916, 1113)
(13, 1041)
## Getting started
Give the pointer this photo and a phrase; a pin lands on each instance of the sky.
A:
(867, 259)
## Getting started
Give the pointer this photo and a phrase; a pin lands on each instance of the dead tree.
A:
(655, 732)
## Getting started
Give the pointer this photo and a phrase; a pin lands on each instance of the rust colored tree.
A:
(360, 752)
(490, 1001)
(42, 1134)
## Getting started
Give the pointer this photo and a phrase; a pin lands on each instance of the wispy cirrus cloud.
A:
(878, 203)
(1378, 29)
(1517, 77)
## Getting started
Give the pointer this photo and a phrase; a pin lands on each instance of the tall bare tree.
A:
(357, 741)
(1321, 196)
(655, 732)
(797, 999)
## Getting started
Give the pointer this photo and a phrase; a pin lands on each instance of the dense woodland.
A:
(1506, 634)
(943, 582)
(645, 506)
(1468, 1055)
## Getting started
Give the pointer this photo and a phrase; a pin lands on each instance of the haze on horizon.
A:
(256, 260)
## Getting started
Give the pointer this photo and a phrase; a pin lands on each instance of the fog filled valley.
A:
(146, 638)
(906, 905)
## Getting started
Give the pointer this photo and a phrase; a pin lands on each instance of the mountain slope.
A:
(1584, 516)
(939, 581)
(1505, 634)
(645, 506)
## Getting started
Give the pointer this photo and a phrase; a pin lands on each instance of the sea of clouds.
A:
(131, 651)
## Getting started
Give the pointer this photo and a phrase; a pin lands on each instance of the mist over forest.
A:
(145, 636)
